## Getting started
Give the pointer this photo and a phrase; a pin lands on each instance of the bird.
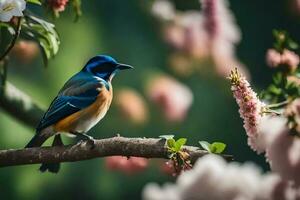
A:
(80, 104)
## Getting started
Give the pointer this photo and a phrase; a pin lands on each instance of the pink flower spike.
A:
(250, 107)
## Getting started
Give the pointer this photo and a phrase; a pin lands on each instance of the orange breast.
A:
(87, 117)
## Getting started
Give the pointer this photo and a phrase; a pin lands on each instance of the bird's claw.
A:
(91, 142)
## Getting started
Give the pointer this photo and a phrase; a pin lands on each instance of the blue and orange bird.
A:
(80, 104)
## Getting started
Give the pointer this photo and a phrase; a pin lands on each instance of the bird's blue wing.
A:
(78, 95)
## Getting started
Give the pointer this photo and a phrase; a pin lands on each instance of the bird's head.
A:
(104, 67)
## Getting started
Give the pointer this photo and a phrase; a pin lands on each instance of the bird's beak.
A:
(121, 66)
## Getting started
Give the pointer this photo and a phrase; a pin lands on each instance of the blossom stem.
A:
(276, 105)
(270, 111)
(13, 41)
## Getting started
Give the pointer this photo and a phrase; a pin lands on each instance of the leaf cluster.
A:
(281, 89)
(215, 147)
(283, 41)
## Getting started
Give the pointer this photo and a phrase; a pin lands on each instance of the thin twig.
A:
(13, 42)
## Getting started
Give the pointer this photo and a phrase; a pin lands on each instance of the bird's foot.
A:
(89, 140)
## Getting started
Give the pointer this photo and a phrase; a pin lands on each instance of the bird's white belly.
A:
(86, 124)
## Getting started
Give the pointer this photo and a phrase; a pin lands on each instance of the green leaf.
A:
(274, 90)
(205, 145)
(77, 8)
(34, 2)
(45, 34)
(8, 27)
(166, 136)
(217, 147)
(277, 79)
(171, 143)
(3, 76)
(179, 143)
(292, 44)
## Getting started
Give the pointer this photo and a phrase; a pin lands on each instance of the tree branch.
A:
(139, 147)
(19, 105)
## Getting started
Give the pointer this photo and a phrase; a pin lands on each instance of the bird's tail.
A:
(52, 167)
(40, 137)
(38, 140)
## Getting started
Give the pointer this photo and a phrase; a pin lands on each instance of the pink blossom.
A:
(173, 97)
(167, 167)
(283, 154)
(57, 5)
(132, 105)
(287, 57)
(212, 178)
(250, 107)
(127, 165)
(25, 51)
(210, 34)
(292, 111)
(295, 6)
(273, 58)
(290, 59)
(282, 149)
(174, 35)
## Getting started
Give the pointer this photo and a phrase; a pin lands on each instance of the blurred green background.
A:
(127, 31)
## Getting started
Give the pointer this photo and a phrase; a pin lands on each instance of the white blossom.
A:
(163, 9)
(11, 8)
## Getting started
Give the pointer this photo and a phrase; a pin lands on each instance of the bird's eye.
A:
(102, 68)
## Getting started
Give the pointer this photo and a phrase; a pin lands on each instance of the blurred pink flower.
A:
(174, 35)
(283, 154)
(210, 34)
(282, 149)
(250, 107)
(25, 51)
(295, 6)
(196, 37)
(298, 4)
(273, 58)
(168, 168)
(127, 165)
(212, 178)
(173, 97)
(292, 111)
(223, 34)
(288, 58)
(57, 5)
(132, 105)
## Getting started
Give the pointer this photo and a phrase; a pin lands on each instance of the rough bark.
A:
(140, 147)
